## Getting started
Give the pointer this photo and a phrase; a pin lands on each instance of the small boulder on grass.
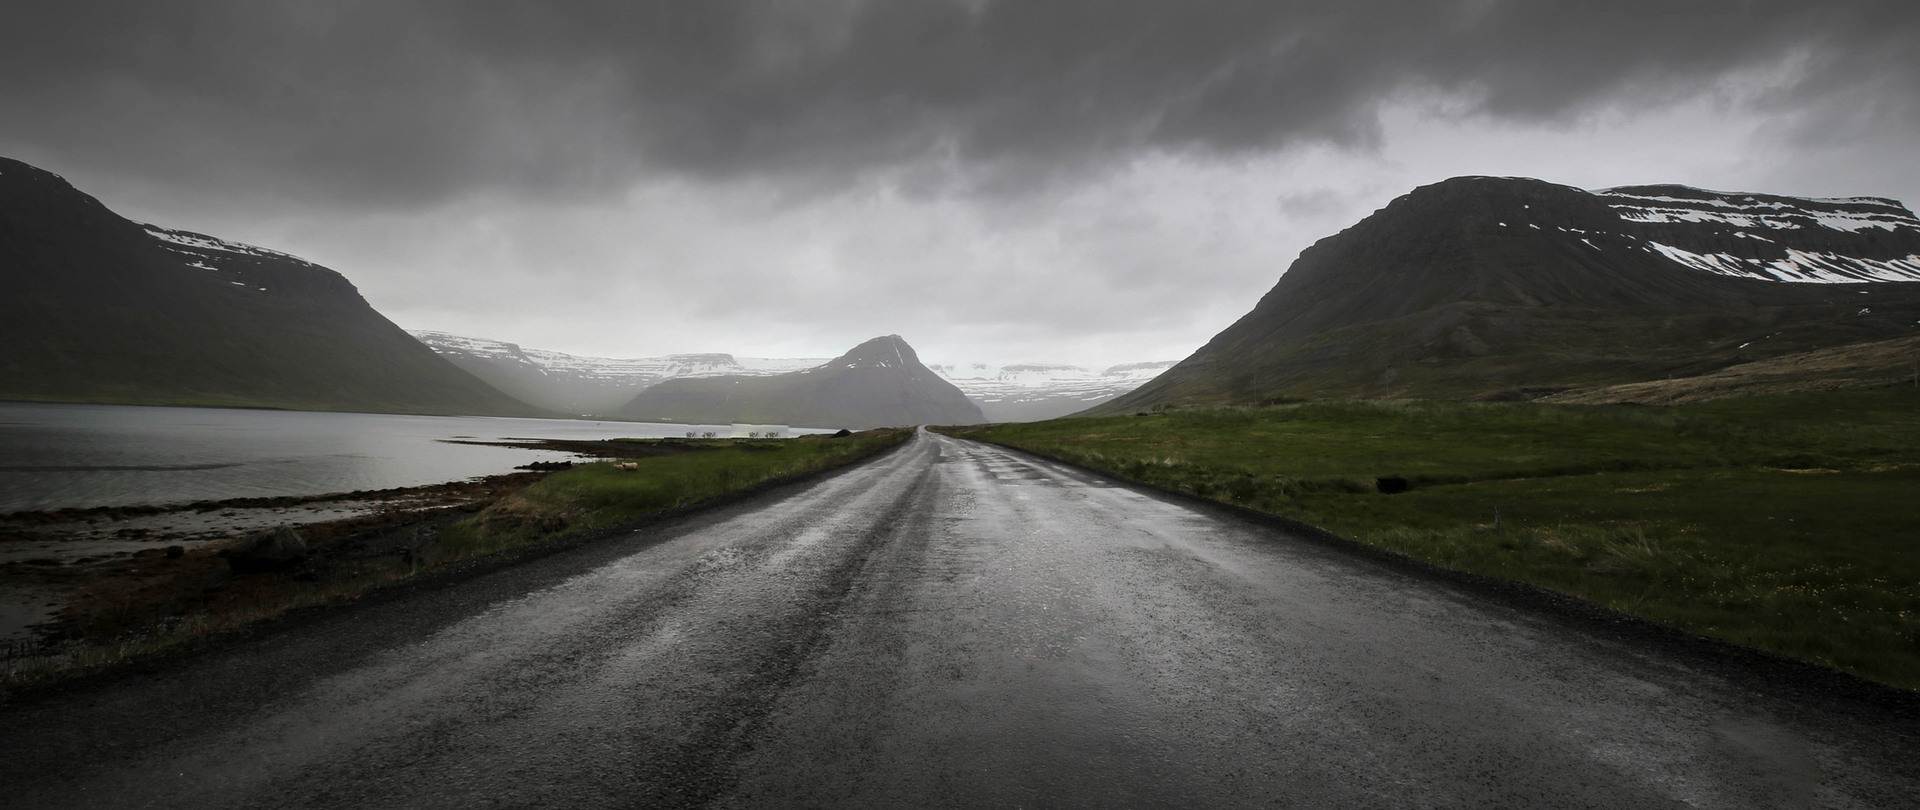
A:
(277, 550)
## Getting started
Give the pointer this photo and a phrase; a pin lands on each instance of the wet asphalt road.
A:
(952, 625)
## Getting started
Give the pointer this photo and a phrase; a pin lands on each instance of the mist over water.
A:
(62, 456)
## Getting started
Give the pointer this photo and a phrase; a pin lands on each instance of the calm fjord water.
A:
(60, 456)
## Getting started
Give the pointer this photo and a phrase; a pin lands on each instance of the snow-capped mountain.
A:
(1026, 392)
(1513, 288)
(589, 385)
(100, 308)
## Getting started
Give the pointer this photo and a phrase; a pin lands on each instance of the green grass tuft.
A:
(601, 494)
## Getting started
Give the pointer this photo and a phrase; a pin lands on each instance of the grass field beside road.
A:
(597, 495)
(1788, 523)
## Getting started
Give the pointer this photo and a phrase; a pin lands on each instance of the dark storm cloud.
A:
(403, 102)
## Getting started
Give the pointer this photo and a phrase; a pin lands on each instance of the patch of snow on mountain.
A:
(1835, 269)
(195, 244)
(1800, 266)
(1850, 214)
(1637, 213)
(1801, 240)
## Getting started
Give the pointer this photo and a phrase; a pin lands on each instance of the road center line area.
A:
(950, 625)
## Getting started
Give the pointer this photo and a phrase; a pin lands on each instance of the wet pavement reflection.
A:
(955, 625)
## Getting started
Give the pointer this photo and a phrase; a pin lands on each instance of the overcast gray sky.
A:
(1088, 181)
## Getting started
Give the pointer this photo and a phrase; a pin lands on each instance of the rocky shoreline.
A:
(106, 572)
(74, 573)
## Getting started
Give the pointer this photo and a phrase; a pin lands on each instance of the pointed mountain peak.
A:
(888, 351)
(875, 384)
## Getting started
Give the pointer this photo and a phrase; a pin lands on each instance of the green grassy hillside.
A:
(1512, 288)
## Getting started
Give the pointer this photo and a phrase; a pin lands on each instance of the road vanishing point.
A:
(952, 624)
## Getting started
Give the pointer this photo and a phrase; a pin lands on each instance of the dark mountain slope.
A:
(1503, 287)
(879, 383)
(98, 308)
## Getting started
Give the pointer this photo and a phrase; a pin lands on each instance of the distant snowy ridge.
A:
(596, 385)
(586, 386)
(1032, 391)
(637, 371)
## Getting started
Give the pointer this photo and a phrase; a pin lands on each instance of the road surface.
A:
(954, 625)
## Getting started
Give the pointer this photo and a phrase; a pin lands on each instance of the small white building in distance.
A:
(741, 431)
